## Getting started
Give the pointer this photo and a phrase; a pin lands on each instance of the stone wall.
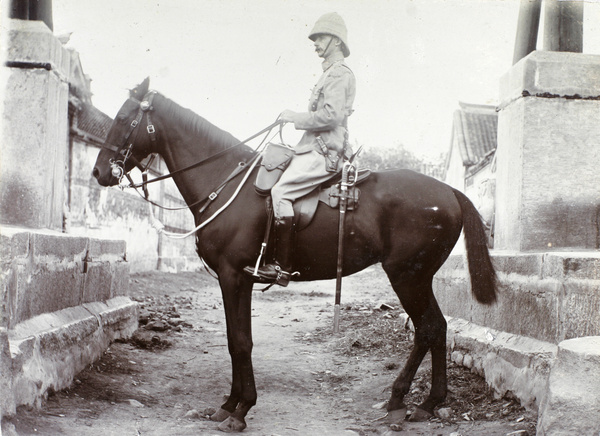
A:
(63, 298)
(545, 296)
(544, 299)
(102, 212)
(47, 272)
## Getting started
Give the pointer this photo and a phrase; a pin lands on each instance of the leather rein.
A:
(123, 152)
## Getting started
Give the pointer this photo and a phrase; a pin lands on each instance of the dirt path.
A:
(309, 382)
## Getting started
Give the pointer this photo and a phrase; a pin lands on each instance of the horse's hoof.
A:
(232, 425)
(220, 415)
(396, 417)
(420, 415)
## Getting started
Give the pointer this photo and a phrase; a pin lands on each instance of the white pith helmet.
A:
(332, 24)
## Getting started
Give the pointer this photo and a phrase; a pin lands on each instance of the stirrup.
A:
(257, 277)
(282, 279)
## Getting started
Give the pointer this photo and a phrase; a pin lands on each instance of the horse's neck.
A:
(182, 146)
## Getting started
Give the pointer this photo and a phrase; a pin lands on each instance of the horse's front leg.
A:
(237, 299)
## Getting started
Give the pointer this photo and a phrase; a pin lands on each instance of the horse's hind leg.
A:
(434, 328)
(430, 334)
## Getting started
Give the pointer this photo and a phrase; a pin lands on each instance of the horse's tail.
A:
(481, 270)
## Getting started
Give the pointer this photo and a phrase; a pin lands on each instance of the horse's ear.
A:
(140, 90)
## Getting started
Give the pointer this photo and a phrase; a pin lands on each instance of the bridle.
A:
(123, 151)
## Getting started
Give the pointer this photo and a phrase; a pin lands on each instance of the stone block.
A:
(546, 154)
(101, 249)
(46, 248)
(44, 271)
(32, 41)
(119, 279)
(13, 246)
(45, 288)
(572, 265)
(552, 73)
(98, 280)
(580, 298)
(34, 123)
(545, 296)
(7, 406)
(571, 404)
(520, 309)
(528, 265)
(48, 350)
(508, 362)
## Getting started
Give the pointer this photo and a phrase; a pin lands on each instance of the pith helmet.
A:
(332, 24)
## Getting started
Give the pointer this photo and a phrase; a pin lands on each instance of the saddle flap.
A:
(305, 207)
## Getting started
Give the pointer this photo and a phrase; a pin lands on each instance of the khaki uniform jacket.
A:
(329, 107)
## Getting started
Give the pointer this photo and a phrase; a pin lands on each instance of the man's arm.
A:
(332, 111)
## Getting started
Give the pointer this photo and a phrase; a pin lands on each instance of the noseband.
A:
(123, 151)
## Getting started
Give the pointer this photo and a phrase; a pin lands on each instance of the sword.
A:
(348, 167)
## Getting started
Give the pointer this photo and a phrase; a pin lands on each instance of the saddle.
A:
(275, 160)
(327, 193)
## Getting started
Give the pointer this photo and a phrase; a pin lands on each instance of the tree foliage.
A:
(398, 157)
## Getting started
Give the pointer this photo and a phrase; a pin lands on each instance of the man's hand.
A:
(288, 116)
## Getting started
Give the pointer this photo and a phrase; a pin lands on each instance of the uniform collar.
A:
(335, 58)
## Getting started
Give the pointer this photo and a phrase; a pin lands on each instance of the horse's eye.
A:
(121, 118)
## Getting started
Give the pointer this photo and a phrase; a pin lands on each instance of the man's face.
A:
(324, 45)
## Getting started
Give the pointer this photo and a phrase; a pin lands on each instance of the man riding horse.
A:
(323, 146)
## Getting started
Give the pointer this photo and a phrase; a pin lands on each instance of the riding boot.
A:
(280, 271)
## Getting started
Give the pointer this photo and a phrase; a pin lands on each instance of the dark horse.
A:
(407, 221)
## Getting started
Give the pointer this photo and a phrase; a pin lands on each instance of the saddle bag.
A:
(275, 159)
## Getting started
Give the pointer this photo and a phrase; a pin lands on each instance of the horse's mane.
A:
(195, 124)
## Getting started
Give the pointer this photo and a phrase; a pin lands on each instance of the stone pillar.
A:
(34, 127)
(527, 28)
(571, 404)
(548, 156)
(563, 26)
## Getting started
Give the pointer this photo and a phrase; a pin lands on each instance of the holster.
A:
(332, 157)
(275, 160)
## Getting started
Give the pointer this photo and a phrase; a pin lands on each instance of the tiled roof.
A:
(93, 121)
(475, 132)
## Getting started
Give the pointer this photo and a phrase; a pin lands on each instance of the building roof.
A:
(92, 121)
(475, 132)
(88, 121)
(79, 82)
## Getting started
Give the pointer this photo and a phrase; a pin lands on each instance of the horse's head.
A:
(130, 138)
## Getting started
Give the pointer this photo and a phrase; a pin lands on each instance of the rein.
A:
(208, 159)
(118, 168)
(160, 227)
(146, 107)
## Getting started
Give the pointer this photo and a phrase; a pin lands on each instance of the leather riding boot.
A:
(280, 271)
